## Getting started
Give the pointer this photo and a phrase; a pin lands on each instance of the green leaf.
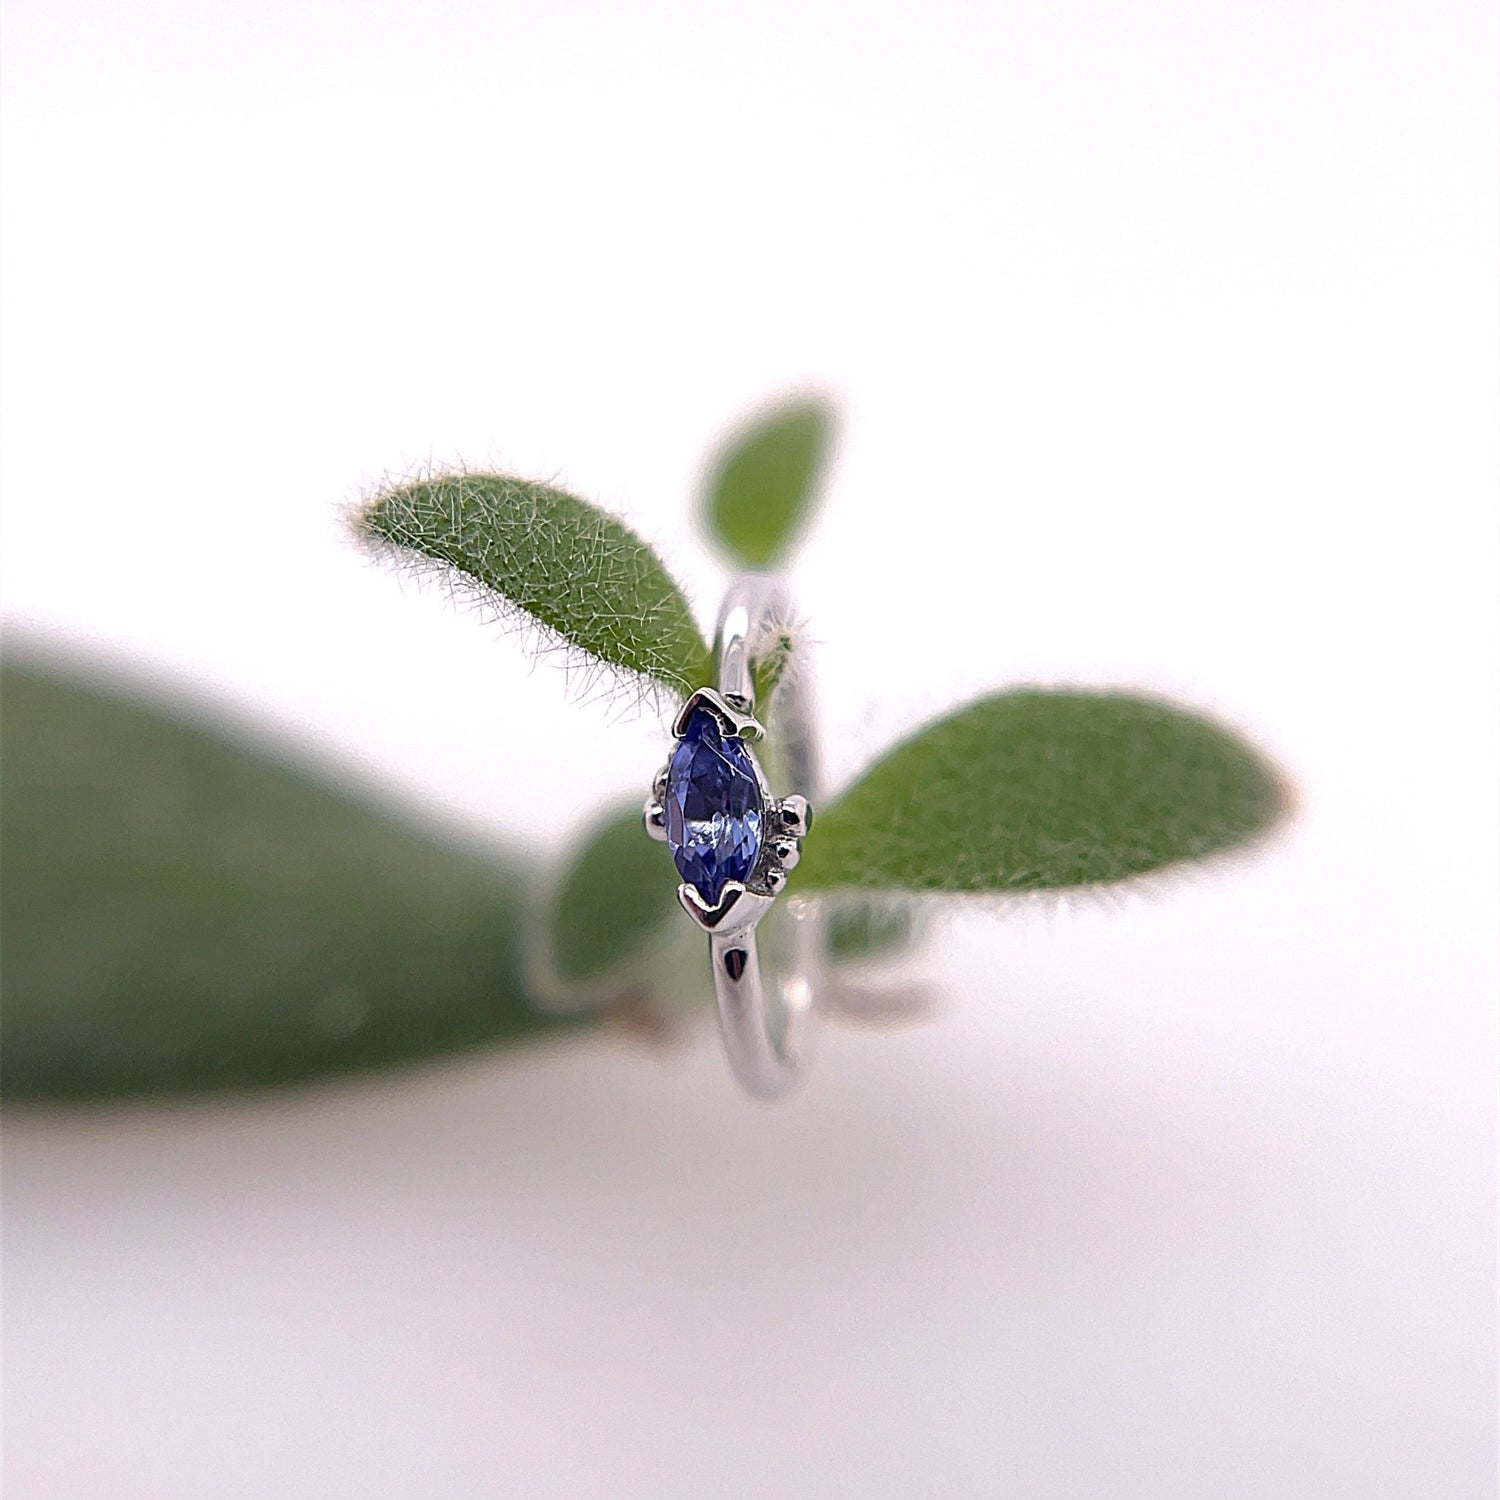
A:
(616, 893)
(183, 912)
(762, 486)
(572, 570)
(1035, 790)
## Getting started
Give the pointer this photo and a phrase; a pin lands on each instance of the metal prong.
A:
(795, 816)
(654, 817)
(659, 786)
(786, 853)
(737, 909)
(732, 720)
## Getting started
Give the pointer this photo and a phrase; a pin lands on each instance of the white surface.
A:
(1173, 328)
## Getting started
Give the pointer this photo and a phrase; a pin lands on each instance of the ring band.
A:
(734, 842)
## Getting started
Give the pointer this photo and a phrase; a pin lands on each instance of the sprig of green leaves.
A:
(186, 910)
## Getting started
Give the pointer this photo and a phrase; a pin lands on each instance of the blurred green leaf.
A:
(616, 892)
(183, 912)
(1034, 790)
(579, 575)
(763, 485)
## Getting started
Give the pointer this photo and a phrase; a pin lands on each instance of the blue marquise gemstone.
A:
(714, 807)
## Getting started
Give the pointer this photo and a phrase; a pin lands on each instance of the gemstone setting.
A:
(715, 809)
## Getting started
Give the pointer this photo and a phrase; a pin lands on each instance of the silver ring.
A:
(734, 842)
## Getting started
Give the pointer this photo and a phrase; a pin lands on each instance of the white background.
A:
(1165, 334)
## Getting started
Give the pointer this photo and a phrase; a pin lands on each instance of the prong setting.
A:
(733, 714)
(654, 819)
(795, 816)
(784, 822)
(783, 847)
(737, 910)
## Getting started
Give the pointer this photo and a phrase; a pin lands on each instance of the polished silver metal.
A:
(763, 1025)
(738, 909)
(732, 711)
(786, 853)
(796, 816)
(654, 817)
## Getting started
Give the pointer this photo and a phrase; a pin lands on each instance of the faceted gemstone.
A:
(714, 807)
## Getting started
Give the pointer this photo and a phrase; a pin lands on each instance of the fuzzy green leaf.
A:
(617, 891)
(586, 580)
(183, 912)
(1034, 790)
(763, 485)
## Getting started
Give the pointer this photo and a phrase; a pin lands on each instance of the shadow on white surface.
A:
(1078, 1240)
